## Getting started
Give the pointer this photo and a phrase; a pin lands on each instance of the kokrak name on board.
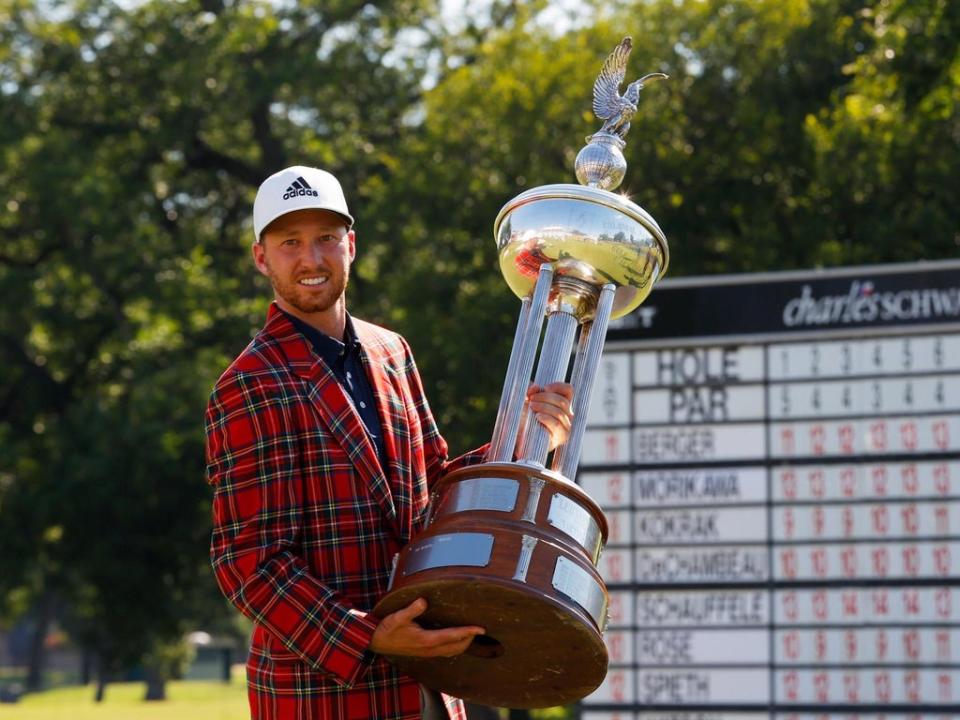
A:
(864, 303)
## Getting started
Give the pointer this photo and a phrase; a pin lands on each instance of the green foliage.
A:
(133, 138)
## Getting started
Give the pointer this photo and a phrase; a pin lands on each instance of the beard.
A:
(310, 299)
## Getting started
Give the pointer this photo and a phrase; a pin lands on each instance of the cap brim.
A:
(268, 223)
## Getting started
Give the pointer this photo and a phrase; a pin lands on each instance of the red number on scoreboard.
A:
(941, 559)
(910, 479)
(845, 438)
(941, 434)
(878, 436)
(941, 478)
(879, 475)
(851, 686)
(908, 436)
(848, 482)
(911, 519)
(789, 601)
(818, 440)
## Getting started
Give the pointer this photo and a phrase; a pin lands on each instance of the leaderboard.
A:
(778, 457)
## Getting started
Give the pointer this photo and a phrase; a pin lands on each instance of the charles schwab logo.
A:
(864, 304)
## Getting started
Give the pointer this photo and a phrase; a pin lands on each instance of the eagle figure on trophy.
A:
(608, 104)
(601, 163)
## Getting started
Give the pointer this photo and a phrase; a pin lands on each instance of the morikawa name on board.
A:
(684, 486)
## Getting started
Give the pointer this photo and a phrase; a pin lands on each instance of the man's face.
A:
(307, 255)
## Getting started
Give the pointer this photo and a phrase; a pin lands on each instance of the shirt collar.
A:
(327, 347)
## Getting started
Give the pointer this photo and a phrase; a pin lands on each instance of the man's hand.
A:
(398, 634)
(551, 406)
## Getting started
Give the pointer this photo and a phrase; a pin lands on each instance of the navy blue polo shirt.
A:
(344, 360)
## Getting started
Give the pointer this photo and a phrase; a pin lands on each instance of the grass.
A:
(186, 700)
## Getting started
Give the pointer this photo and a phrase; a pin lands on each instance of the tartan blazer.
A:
(306, 521)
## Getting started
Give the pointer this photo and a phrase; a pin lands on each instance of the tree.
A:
(133, 139)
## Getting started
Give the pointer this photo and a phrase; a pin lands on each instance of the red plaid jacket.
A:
(306, 521)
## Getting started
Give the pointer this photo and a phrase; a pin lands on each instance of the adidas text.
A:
(301, 192)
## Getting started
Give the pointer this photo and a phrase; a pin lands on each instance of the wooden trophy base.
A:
(493, 555)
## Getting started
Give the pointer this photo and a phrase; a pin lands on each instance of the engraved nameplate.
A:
(481, 494)
(470, 549)
(578, 585)
(571, 518)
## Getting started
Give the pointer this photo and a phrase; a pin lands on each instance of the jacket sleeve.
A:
(253, 466)
(434, 446)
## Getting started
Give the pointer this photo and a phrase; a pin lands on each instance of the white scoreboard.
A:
(778, 457)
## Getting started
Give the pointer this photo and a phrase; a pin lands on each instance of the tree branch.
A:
(12, 261)
(201, 156)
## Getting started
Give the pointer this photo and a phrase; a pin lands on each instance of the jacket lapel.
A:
(335, 409)
(394, 424)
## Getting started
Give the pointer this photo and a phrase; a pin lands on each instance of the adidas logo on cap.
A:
(299, 188)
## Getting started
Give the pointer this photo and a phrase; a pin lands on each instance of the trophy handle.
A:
(525, 342)
(567, 457)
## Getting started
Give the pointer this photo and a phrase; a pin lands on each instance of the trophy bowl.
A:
(590, 234)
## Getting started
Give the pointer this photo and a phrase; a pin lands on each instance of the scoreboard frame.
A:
(704, 413)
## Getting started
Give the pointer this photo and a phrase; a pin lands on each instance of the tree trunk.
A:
(101, 686)
(156, 685)
(38, 639)
(86, 665)
(103, 675)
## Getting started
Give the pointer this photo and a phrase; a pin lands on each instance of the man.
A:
(321, 448)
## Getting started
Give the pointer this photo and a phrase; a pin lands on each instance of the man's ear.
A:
(353, 244)
(259, 258)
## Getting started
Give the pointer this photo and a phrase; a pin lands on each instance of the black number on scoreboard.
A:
(877, 401)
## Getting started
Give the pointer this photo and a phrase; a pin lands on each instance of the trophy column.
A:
(511, 544)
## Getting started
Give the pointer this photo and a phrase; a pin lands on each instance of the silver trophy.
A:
(512, 544)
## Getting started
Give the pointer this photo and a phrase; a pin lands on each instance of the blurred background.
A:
(133, 136)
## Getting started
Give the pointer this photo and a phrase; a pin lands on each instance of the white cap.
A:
(297, 188)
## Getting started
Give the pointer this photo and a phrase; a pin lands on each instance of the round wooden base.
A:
(513, 549)
(537, 651)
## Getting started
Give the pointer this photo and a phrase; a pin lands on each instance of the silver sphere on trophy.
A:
(512, 544)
